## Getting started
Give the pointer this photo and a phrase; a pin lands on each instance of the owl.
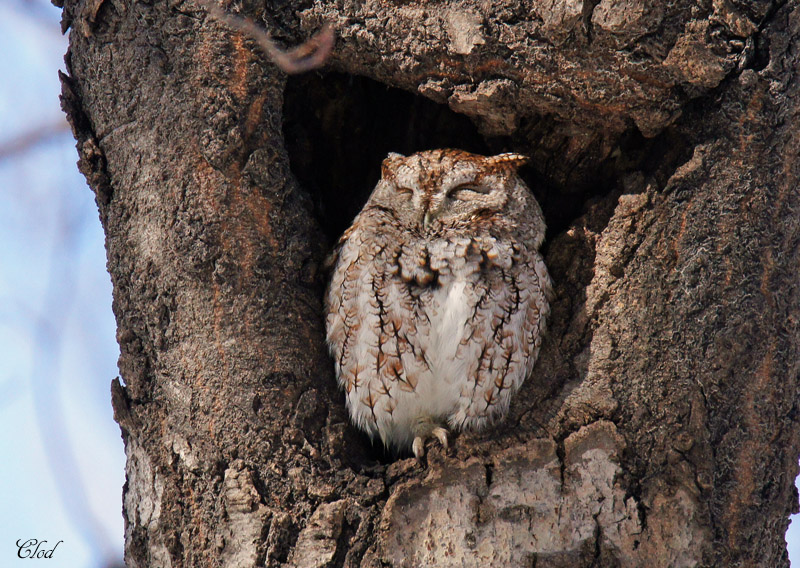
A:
(438, 297)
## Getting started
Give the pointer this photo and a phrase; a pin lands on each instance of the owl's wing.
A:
(372, 327)
(350, 259)
(509, 303)
(330, 261)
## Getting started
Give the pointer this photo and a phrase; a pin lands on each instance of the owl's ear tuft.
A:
(509, 160)
(389, 163)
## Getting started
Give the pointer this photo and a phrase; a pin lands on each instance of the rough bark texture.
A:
(660, 426)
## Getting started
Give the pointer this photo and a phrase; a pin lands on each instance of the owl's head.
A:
(447, 188)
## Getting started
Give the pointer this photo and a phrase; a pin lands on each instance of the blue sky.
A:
(61, 453)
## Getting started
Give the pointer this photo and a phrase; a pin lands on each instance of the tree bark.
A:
(660, 426)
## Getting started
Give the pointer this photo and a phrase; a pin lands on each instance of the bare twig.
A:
(49, 331)
(33, 137)
(307, 56)
(39, 12)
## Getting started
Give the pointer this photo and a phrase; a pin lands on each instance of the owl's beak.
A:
(426, 215)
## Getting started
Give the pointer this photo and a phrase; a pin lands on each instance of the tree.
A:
(661, 423)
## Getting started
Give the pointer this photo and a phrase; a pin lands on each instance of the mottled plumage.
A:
(438, 299)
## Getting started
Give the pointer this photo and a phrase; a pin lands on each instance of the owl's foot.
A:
(418, 445)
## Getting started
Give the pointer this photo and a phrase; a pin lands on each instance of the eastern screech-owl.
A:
(438, 299)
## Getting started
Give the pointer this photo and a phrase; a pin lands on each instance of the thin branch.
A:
(307, 56)
(40, 12)
(34, 137)
(48, 334)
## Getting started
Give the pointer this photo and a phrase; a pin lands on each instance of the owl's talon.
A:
(418, 447)
(441, 435)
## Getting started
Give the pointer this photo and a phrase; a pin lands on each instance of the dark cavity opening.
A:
(338, 128)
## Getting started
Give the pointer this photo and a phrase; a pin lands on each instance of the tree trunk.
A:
(660, 426)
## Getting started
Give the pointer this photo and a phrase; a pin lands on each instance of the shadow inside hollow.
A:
(338, 129)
